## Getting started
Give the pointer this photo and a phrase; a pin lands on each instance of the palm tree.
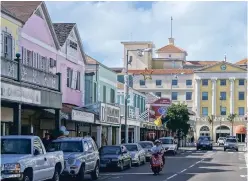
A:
(211, 122)
(231, 118)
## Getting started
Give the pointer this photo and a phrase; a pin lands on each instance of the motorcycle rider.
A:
(157, 148)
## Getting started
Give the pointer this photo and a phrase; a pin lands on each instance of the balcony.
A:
(15, 70)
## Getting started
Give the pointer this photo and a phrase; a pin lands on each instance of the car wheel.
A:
(56, 174)
(197, 148)
(144, 161)
(26, 177)
(237, 149)
(95, 173)
(80, 175)
(224, 149)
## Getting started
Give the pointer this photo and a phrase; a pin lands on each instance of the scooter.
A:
(156, 163)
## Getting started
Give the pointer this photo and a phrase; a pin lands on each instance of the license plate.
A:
(103, 165)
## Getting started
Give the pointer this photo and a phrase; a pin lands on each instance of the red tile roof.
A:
(171, 49)
(201, 62)
(163, 71)
(242, 62)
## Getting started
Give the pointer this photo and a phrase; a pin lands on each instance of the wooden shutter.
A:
(33, 59)
(74, 79)
(2, 44)
(9, 48)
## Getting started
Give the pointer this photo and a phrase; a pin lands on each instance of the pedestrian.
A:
(104, 140)
(46, 141)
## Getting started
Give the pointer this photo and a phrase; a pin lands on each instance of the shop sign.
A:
(20, 94)
(82, 116)
(160, 107)
(110, 114)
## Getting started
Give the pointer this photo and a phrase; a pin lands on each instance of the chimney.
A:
(171, 41)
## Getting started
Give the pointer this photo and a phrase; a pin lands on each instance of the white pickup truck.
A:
(24, 158)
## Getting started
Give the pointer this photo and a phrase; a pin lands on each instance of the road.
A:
(190, 165)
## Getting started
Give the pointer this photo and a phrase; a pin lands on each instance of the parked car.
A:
(169, 145)
(81, 156)
(138, 154)
(147, 145)
(25, 158)
(221, 141)
(204, 142)
(231, 143)
(115, 156)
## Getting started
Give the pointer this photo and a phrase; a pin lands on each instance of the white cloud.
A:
(206, 30)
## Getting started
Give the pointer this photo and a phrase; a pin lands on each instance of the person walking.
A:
(46, 141)
(104, 140)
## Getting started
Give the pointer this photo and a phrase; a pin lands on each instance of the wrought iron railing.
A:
(15, 70)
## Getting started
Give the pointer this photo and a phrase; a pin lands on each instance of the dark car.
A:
(115, 157)
(204, 142)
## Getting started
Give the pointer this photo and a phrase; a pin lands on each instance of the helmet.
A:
(157, 141)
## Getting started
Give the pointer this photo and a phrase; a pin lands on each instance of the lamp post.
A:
(129, 61)
(220, 114)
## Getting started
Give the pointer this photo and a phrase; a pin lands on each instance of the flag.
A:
(158, 121)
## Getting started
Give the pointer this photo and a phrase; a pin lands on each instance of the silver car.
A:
(147, 146)
(231, 144)
(137, 153)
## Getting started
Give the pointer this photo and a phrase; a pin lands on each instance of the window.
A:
(142, 82)
(241, 96)
(241, 111)
(73, 45)
(241, 81)
(29, 58)
(37, 145)
(7, 48)
(78, 81)
(205, 111)
(43, 63)
(174, 95)
(188, 82)
(86, 146)
(95, 92)
(158, 94)
(223, 95)
(69, 77)
(112, 96)
(174, 82)
(204, 96)
(188, 95)
(223, 82)
(158, 82)
(223, 111)
(204, 82)
(104, 94)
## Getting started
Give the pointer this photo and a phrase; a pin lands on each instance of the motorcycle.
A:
(156, 163)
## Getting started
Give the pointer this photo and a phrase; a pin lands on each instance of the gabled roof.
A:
(62, 31)
(242, 62)
(163, 71)
(171, 49)
(200, 63)
(22, 10)
(7, 12)
(220, 62)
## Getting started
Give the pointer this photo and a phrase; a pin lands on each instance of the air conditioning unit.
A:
(53, 63)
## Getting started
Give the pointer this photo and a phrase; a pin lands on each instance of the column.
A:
(3, 133)
(138, 133)
(57, 119)
(232, 95)
(197, 96)
(135, 134)
(118, 135)
(99, 136)
(17, 119)
(110, 135)
(214, 96)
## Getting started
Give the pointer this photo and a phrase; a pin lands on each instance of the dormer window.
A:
(73, 45)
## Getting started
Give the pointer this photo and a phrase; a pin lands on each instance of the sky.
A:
(206, 30)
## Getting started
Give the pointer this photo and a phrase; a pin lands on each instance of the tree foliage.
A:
(177, 118)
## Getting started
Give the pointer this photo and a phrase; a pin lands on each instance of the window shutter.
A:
(45, 64)
(74, 79)
(33, 58)
(2, 44)
(13, 48)
(9, 48)
(39, 60)
(24, 55)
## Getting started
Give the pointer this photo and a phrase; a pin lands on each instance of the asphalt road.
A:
(190, 165)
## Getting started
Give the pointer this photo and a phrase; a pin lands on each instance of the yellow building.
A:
(10, 33)
(221, 90)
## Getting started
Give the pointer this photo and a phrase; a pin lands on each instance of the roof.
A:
(242, 62)
(163, 71)
(200, 63)
(118, 69)
(62, 31)
(136, 42)
(22, 10)
(171, 49)
(220, 62)
(91, 60)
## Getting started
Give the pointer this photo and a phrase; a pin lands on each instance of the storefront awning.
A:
(240, 129)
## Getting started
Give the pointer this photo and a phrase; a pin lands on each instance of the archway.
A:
(240, 132)
(222, 131)
(204, 131)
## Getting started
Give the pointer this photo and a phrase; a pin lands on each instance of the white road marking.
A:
(183, 170)
(116, 174)
(191, 166)
(243, 176)
(171, 176)
(242, 167)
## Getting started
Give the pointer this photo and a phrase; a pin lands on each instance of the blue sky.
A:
(206, 30)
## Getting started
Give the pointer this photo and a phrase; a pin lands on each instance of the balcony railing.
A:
(14, 69)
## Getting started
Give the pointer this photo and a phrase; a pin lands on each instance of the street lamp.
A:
(140, 53)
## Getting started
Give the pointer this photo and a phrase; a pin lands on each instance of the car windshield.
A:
(166, 141)
(131, 147)
(68, 146)
(146, 145)
(231, 140)
(110, 150)
(204, 139)
(221, 138)
(15, 146)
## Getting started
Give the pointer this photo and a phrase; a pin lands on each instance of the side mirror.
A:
(36, 152)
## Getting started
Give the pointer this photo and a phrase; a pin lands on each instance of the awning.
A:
(240, 129)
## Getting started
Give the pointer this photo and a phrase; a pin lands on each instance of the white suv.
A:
(221, 141)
